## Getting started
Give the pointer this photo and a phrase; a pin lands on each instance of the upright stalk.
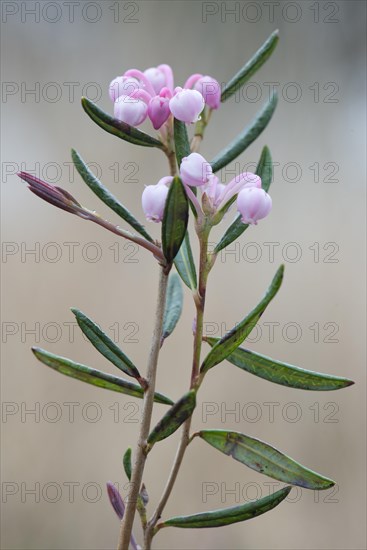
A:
(140, 452)
(185, 437)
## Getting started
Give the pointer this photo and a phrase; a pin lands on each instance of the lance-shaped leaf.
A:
(226, 516)
(105, 345)
(234, 338)
(173, 306)
(126, 461)
(251, 67)
(106, 196)
(246, 137)
(118, 128)
(264, 458)
(182, 145)
(185, 265)
(174, 417)
(264, 169)
(175, 219)
(93, 376)
(283, 373)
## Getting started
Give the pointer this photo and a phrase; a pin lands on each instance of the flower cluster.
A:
(138, 95)
(253, 203)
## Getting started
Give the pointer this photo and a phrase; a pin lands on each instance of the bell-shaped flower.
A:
(122, 85)
(210, 90)
(156, 77)
(253, 204)
(154, 199)
(186, 105)
(195, 170)
(133, 108)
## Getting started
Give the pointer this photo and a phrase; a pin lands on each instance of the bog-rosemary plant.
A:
(190, 188)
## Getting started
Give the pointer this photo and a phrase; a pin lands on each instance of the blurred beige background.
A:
(55, 463)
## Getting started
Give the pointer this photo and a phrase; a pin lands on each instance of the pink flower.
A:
(154, 199)
(186, 105)
(122, 85)
(253, 204)
(156, 77)
(195, 170)
(210, 90)
(131, 110)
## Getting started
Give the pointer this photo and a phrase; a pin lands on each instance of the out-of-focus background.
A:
(61, 439)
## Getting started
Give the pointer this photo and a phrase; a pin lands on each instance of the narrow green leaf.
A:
(247, 136)
(251, 67)
(234, 338)
(105, 345)
(106, 196)
(185, 265)
(93, 376)
(264, 169)
(182, 145)
(120, 129)
(264, 458)
(226, 516)
(283, 373)
(174, 417)
(175, 219)
(127, 463)
(173, 306)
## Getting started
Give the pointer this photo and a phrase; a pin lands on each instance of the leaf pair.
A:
(111, 352)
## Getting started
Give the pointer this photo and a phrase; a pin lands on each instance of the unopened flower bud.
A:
(253, 204)
(158, 111)
(195, 170)
(116, 500)
(131, 110)
(186, 105)
(154, 199)
(210, 90)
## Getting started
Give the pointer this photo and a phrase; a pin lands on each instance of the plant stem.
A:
(140, 452)
(185, 437)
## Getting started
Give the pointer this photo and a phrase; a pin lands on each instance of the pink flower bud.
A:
(253, 204)
(131, 110)
(122, 85)
(154, 199)
(210, 90)
(156, 77)
(244, 180)
(195, 170)
(158, 111)
(186, 105)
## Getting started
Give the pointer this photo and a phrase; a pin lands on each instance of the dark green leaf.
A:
(283, 373)
(264, 458)
(175, 219)
(182, 145)
(249, 134)
(117, 128)
(105, 345)
(173, 307)
(251, 66)
(104, 194)
(127, 463)
(185, 265)
(174, 417)
(93, 376)
(234, 338)
(264, 169)
(226, 516)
